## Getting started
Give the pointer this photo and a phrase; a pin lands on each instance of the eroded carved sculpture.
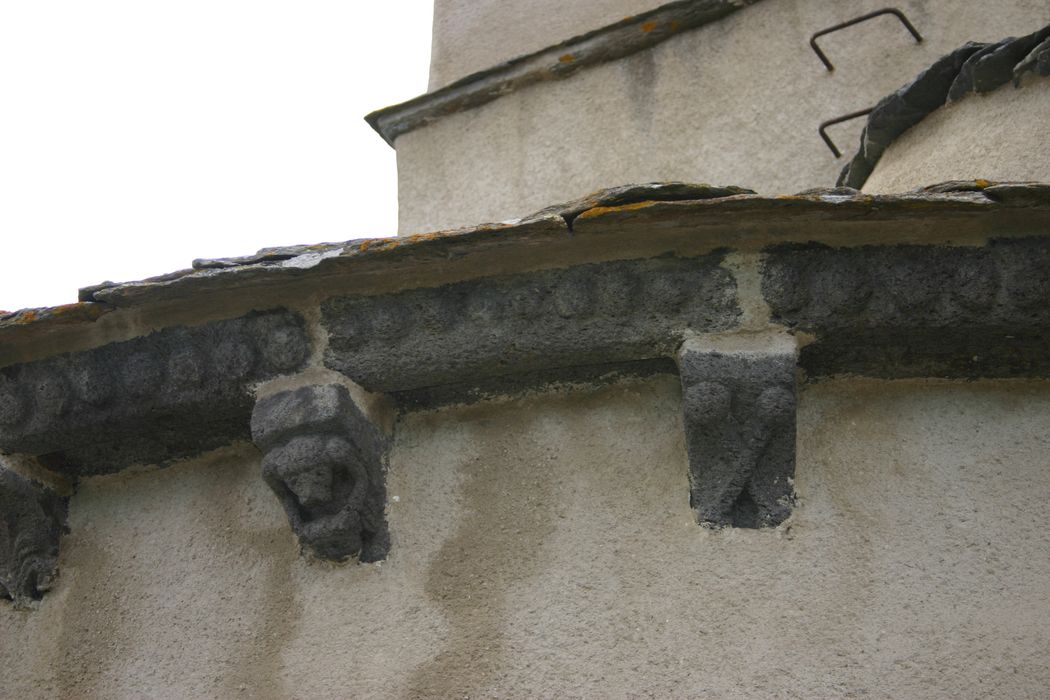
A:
(32, 518)
(325, 460)
(739, 414)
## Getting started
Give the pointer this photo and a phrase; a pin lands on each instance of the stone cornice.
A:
(743, 296)
(633, 222)
(559, 61)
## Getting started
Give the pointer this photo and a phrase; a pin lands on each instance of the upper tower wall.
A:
(472, 35)
(718, 91)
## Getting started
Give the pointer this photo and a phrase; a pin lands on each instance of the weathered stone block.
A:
(166, 395)
(586, 315)
(911, 311)
(326, 462)
(32, 518)
(739, 415)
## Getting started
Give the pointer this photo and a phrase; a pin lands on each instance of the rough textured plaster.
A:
(544, 547)
(172, 583)
(556, 62)
(997, 136)
(694, 108)
(471, 35)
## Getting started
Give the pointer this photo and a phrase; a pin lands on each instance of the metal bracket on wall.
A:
(857, 20)
(823, 128)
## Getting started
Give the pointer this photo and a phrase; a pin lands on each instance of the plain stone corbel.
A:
(32, 518)
(325, 460)
(739, 395)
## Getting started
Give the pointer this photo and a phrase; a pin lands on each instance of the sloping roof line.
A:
(657, 215)
(555, 62)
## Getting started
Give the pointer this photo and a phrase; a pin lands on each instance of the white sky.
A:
(136, 135)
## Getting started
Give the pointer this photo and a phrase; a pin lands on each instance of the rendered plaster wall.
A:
(737, 101)
(997, 136)
(544, 547)
(472, 35)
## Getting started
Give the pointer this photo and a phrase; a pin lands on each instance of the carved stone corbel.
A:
(325, 460)
(739, 400)
(32, 518)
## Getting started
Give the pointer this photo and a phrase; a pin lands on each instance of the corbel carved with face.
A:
(325, 460)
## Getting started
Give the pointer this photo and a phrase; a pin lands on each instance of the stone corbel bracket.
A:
(326, 462)
(739, 398)
(32, 518)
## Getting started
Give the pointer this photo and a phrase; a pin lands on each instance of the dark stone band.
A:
(911, 311)
(585, 315)
(169, 394)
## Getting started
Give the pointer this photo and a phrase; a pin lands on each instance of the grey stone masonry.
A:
(738, 402)
(916, 311)
(32, 517)
(173, 393)
(326, 462)
(583, 315)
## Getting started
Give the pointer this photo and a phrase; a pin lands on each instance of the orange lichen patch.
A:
(431, 236)
(66, 313)
(598, 211)
(648, 26)
(982, 183)
(379, 244)
(80, 310)
(566, 58)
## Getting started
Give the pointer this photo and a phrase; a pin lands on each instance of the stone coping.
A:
(559, 61)
(974, 68)
(616, 224)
